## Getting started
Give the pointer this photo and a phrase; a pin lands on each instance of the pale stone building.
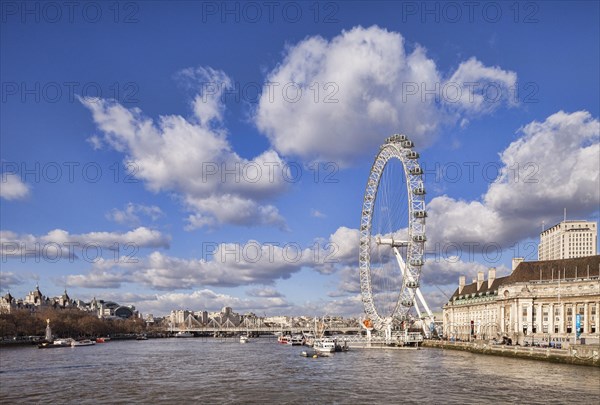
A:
(568, 240)
(7, 304)
(225, 318)
(35, 298)
(538, 302)
(35, 301)
(179, 316)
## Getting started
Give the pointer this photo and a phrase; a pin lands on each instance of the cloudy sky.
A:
(200, 154)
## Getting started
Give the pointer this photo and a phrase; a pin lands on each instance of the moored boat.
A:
(309, 339)
(184, 334)
(324, 346)
(296, 340)
(63, 342)
(84, 342)
(56, 343)
(310, 353)
(244, 339)
(284, 339)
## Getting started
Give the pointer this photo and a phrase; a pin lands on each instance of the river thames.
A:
(207, 370)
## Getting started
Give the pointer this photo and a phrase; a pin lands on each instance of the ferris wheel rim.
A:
(399, 147)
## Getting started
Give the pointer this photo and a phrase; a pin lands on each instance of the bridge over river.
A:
(350, 335)
(262, 330)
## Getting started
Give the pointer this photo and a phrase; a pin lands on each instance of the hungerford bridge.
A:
(262, 330)
(352, 335)
(254, 327)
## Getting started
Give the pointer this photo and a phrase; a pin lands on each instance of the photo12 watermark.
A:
(71, 12)
(270, 92)
(53, 252)
(470, 93)
(269, 172)
(471, 252)
(70, 92)
(489, 172)
(253, 252)
(453, 12)
(69, 172)
(251, 172)
(254, 12)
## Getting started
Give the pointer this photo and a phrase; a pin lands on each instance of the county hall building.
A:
(542, 301)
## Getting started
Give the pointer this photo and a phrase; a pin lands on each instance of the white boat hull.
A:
(324, 346)
(83, 343)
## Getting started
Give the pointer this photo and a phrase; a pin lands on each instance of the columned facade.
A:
(530, 306)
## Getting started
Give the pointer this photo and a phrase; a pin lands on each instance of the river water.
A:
(207, 370)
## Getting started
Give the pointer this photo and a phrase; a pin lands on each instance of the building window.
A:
(525, 329)
(569, 329)
(555, 328)
(545, 328)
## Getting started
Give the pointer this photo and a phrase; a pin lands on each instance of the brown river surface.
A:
(215, 371)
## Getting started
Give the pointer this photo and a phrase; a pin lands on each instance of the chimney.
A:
(516, 261)
(479, 279)
(491, 276)
(461, 283)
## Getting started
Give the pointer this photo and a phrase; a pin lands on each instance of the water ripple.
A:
(223, 371)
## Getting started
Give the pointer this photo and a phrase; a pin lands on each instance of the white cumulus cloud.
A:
(192, 157)
(12, 188)
(59, 244)
(553, 165)
(363, 85)
(130, 215)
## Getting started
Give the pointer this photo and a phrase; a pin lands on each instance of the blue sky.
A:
(115, 122)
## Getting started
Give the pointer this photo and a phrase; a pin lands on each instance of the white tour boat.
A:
(296, 340)
(324, 346)
(85, 342)
(184, 334)
(63, 342)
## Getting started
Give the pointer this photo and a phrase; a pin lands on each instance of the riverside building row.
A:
(35, 301)
(542, 301)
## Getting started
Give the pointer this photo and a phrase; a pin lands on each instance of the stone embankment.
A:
(588, 355)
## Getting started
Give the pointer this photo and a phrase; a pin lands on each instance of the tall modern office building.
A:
(568, 240)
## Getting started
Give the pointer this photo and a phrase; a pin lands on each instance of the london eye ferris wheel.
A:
(392, 234)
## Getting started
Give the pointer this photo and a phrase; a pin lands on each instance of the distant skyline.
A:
(195, 155)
